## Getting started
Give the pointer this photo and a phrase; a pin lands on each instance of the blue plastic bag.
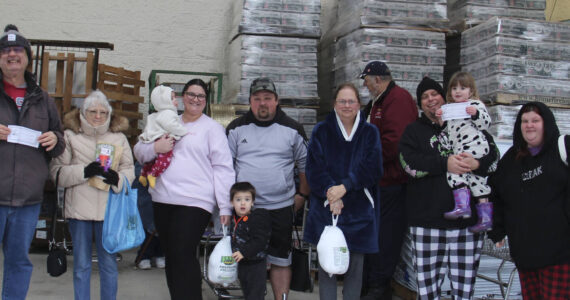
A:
(122, 227)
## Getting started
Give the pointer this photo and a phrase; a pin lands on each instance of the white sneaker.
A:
(144, 264)
(160, 262)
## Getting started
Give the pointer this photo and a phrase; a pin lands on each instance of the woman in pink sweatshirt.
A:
(198, 179)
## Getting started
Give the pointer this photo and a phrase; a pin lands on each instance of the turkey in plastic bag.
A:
(333, 250)
(222, 268)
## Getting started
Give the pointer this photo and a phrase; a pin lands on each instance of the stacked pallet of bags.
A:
(276, 39)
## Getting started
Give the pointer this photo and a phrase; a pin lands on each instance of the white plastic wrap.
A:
(351, 71)
(542, 50)
(503, 119)
(522, 29)
(532, 4)
(522, 85)
(469, 15)
(519, 66)
(302, 115)
(290, 62)
(392, 37)
(280, 17)
(401, 55)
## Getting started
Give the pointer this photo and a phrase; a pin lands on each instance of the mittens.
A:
(111, 177)
(93, 169)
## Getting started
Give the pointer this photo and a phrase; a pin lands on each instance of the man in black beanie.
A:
(23, 106)
(440, 246)
(12, 38)
(429, 84)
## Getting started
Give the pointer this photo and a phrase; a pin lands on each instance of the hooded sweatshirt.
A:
(165, 120)
(531, 199)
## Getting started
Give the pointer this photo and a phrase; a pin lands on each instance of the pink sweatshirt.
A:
(201, 172)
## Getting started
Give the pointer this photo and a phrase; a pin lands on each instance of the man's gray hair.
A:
(94, 98)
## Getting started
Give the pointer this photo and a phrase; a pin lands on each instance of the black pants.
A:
(253, 279)
(180, 229)
(379, 267)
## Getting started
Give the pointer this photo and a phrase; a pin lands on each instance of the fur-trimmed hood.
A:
(75, 122)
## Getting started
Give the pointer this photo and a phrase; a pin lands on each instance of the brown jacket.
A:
(25, 169)
(82, 201)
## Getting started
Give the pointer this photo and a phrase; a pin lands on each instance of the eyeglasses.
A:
(346, 102)
(16, 49)
(93, 113)
(191, 95)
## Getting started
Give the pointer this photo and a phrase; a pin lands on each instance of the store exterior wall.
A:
(168, 35)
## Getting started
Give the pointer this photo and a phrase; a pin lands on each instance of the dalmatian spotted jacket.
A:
(466, 135)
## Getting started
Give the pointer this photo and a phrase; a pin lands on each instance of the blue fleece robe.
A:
(331, 160)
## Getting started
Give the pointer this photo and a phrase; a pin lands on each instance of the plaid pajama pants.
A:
(438, 252)
(552, 282)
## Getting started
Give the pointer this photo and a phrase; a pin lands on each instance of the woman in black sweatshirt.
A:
(530, 192)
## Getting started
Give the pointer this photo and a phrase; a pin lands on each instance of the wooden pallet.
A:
(516, 99)
(65, 73)
(122, 87)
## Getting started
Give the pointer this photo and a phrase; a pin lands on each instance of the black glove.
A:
(111, 177)
(93, 169)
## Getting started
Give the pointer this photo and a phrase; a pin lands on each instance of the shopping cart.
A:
(504, 255)
(233, 291)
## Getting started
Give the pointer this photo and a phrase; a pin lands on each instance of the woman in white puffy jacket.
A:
(85, 204)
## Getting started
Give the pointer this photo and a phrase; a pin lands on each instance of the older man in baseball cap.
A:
(390, 109)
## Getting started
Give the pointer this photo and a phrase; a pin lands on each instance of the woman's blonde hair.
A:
(464, 79)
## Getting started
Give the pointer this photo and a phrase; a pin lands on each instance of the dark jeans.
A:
(253, 279)
(180, 229)
(153, 248)
(380, 266)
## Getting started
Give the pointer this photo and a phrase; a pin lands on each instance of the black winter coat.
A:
(251, 235)
(424, 150)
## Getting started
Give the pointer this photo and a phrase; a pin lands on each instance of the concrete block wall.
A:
(185, 35)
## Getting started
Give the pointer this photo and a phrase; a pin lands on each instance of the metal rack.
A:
(504, 255)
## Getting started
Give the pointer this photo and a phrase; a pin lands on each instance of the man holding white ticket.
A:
(466, 119)
(30, 135)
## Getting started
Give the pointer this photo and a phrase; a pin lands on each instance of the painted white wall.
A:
(168, 35)
(181, 35)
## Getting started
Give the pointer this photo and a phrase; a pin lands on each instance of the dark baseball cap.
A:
(375, 68)
(262, 84)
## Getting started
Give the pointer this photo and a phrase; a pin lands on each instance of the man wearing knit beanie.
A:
(12, 38)
(23, 105)
(427, 157)
(428, 84)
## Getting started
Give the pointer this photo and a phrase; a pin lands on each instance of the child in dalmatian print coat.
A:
(165, 121)
(465, 135)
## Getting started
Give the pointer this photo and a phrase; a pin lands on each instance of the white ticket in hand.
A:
(24, 136)
(454, 111)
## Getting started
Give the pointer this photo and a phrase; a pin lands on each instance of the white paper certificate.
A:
(24, 136)
(454, 111)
